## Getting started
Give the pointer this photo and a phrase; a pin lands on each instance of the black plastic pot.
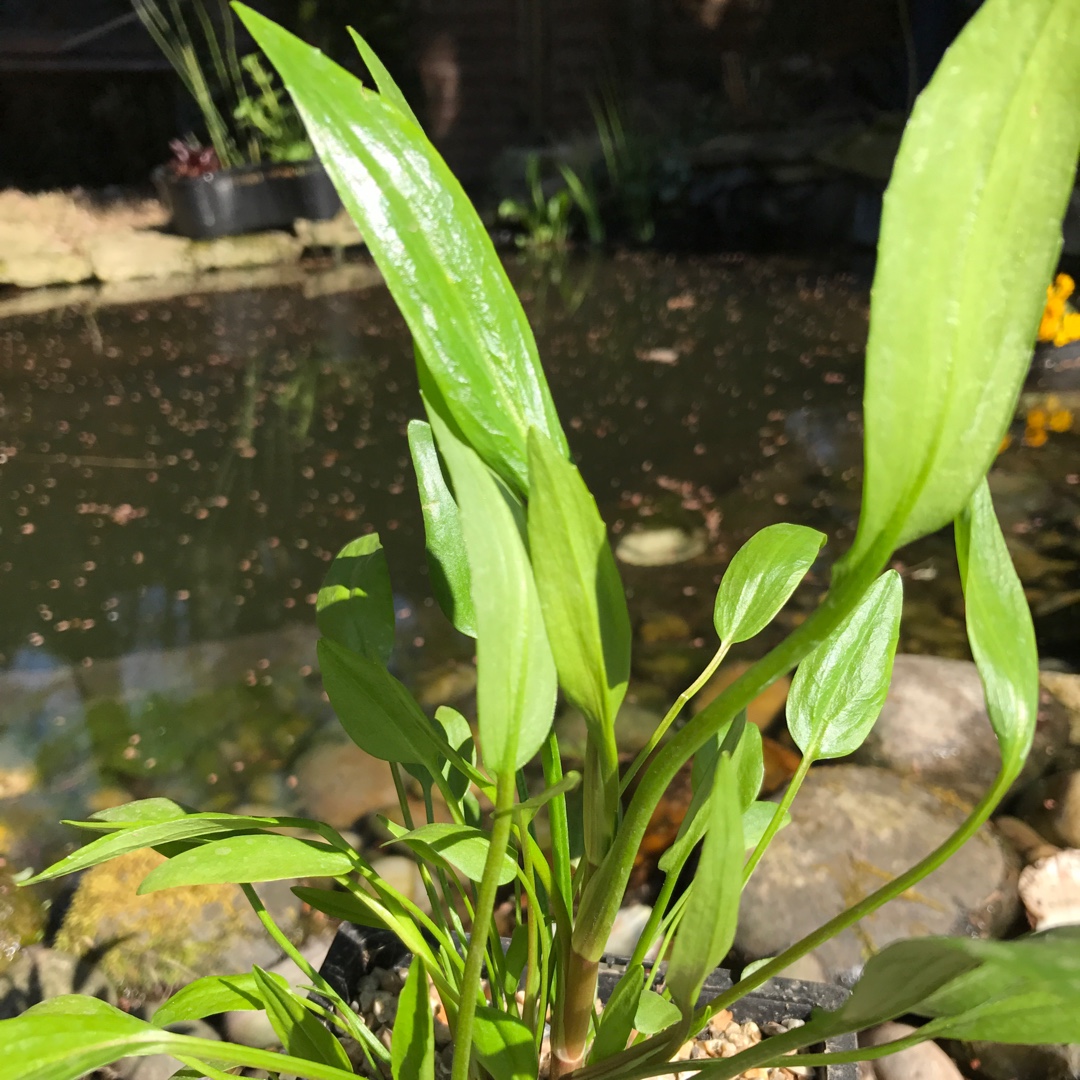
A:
(1057, 367)
(247, 199)
(357, 950)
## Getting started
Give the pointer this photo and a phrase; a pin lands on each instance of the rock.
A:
(162, 1066)
(762, 710)
(634, 725)
(1000, 1061)
(27, 238)
(1030, 845)
(38, 974)
(853, 828)
(1052, 806)
(934, 727)
(1066, 689)
(167, 938)
(666, 627)
(339, 231)
(254, 249)
(1050, 890)
(44, 268)
(132, 254)
(402, 873)
(21, 918)
(339, 783)
(626, 930)
(447, 683)
(664, 546)
(926, 1061)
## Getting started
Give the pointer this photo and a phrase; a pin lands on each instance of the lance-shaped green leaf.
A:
(71, 1036)
(239, 859)
(460, 847)
(581, 593)
(504, 1045)
(434, 252)
(412, 1048)
(355, 606)
(300, 1031)
(743, 742)
(448, 564)
(455, 730)
(761, 578)
(970, 234)
(708, 923)
(528, 808)
(617, 1019)
(211, 995)
(839, 689)
(141, 811)
(655, 1013)
(1000, 630)
(516, 680)
(376, 711)
(384, 83)
(339, 905)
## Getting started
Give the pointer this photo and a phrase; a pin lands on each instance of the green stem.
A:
(485, 907)
(777, 818)
(560, 828)
(602, 896)
(656, 916)
(673, 712)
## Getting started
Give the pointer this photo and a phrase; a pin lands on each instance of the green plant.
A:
(520, 560)
(264, 125)
(546, 220)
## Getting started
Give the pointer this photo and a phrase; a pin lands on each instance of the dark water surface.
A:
(174, 478)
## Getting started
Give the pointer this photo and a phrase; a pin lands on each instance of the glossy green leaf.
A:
(709, 919)
(764, 573)
(142, 811)
(529, 807)
(388, 89)
(516, 680)
(355, 606)
(517, 956)
(581, 594)
(68, 1037)
(839, 688)
(154, 834)
(504, 1045)
(239, 859)
(448, 563)
(1000, 630)
(617, 1019)
(434, 253)
(301, 1033)
(755, 820)
(655, 1014)
(211, 995)
(376, 711)
(465, 848)
(970, 235)
(457, 732)
(412, 1047)
(339, 905)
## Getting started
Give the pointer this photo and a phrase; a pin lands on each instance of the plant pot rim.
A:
(359, 947)
(305, 166)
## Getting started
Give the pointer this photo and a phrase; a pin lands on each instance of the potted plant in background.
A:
(520, 560)
(259, 171)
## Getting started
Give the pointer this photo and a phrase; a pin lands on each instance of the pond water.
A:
(176, 475)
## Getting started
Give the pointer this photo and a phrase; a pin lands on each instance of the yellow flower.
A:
(1035, 436)
(1061, 420)
(1069, 329)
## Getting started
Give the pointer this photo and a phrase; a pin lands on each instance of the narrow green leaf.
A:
(516, 680)
(463, 847)
(708, 923)
(211, 995)
(761, 578)
(140, 812)
(504, 1045)
(970, 235)
(339, 905)
(376, 711)
(617, 1019)
(388, 89)
(517, 956)
(529, 807)
(448, 563)
(655, 1014)
(1000, 630)
(580, 591)
(412, 1048)
(239, 859)
(434, 253)
(839, 689)
(69, 1037)
(355, 606)
(153, 834)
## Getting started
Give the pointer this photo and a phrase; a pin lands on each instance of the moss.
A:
(22, 919)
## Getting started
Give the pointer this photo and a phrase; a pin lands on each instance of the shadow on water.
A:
(176, 475)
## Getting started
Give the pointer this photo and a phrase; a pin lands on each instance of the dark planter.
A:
(356, 950)
(1056, 367)
(247, 199)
